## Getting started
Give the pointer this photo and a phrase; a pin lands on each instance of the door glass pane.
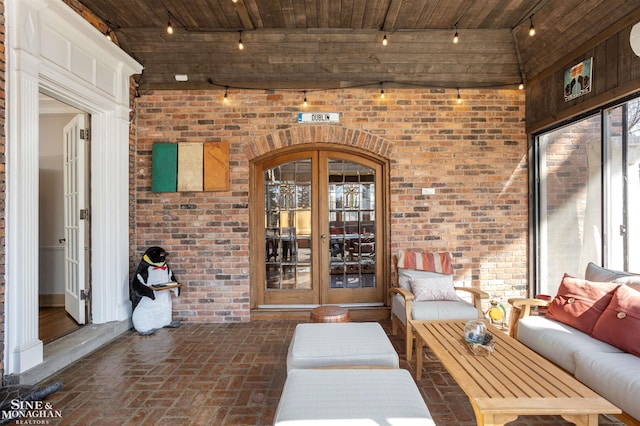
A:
(570, 201)
(632, 174)
(351, 225)
(288, 226)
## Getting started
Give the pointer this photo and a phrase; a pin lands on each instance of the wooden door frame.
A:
(256, 240)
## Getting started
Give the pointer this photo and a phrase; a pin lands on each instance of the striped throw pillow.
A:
(425, 261)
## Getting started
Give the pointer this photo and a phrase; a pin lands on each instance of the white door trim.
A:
(51, 49)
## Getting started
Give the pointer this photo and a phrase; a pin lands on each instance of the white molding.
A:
(51, 49)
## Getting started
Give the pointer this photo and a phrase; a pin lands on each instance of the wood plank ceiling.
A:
(321, 44)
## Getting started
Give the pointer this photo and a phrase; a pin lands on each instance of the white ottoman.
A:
(340, 344)
(351, 397)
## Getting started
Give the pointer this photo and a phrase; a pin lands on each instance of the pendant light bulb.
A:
(382, 93)
(240, 44)
(532, 30)
(304, 102)
(384, 40)
(169, 26)
(107, 35)
(456, 39)
(459, 99)
(226, 98)
(521, 86)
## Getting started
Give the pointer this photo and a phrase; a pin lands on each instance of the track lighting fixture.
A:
(304, 102)
(240, 44)
(456, 39)
(532, 30)
(384, 40)
(169, 26)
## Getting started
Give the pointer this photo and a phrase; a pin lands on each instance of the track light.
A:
(304, 102)
(240, 44)
(456, 39)
(459, 100)
(384, 40)
(532, 30)
(169, 27)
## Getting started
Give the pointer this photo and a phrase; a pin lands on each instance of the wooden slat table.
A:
(512, 381)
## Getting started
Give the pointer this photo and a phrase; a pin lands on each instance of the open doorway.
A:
(63, 220)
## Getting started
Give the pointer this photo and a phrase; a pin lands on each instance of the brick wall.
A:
(473, 154)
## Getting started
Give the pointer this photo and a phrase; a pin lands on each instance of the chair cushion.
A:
(612, 375)
(619, 324)
(435, 288)
(558, 342)
(424, 261)
(351, 397)
(316, 345)
(579, 303)
(434, 309)
(443, 310)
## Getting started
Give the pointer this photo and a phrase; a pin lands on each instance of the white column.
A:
(22, 219)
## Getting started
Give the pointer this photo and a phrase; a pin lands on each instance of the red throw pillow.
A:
(619, 325)
(579, 303)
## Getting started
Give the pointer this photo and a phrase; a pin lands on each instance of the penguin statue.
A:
(150, 292)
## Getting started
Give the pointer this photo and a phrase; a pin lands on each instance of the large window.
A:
(587, 187)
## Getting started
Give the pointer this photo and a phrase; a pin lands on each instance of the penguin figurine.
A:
(152, 308)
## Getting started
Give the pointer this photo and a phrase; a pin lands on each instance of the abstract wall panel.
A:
(190, 167)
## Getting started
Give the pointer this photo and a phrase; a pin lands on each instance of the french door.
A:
(321, 229)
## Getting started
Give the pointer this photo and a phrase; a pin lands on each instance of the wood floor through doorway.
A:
(54, 323)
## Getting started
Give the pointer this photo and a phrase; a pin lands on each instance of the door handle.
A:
(323, 236)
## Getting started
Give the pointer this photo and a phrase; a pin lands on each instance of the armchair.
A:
(415, 271)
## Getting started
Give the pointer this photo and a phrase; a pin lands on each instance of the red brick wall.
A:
(473, 154)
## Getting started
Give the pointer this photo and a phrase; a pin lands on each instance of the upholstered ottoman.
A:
(351, 397)
(340, 344)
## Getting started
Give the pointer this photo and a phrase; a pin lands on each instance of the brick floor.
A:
(217, 374)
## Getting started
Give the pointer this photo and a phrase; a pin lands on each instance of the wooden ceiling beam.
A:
(243, 14)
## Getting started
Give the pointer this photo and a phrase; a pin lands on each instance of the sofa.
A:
(592, 330)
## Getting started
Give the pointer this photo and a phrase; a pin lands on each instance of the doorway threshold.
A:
(66, 350)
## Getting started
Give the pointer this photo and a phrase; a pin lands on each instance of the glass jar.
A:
(475, 331)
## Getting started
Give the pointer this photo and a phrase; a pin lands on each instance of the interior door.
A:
(319, 234)
(74, 223)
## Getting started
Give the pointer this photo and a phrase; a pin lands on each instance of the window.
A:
(587, 191)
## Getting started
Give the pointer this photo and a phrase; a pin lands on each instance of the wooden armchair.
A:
(404, 305)
(521, 307)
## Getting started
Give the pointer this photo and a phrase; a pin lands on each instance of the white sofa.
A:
(610, 371)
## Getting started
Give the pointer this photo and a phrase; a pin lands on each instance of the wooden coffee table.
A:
(512, 381)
